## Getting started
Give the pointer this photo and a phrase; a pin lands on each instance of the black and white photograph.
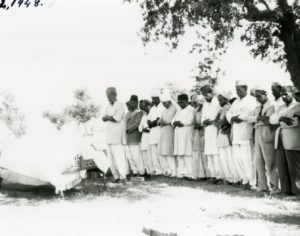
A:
(150, 117)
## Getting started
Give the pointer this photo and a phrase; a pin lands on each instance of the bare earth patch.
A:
(163, 204)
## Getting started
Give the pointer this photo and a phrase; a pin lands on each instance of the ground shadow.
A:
(131, 191)
(292, 220)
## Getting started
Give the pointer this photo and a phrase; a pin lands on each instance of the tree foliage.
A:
(11, 116)
(81, 112)
(270, 28)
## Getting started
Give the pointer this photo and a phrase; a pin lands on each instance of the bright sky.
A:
(47, 53)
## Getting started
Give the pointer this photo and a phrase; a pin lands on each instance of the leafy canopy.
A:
(258, 23)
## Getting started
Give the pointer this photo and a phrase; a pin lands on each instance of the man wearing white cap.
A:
(166, 144)
(242, 134)
(224, 141)
(114, 115)
(154, 138)
(264, 152)
(145, 106)
(211, 108)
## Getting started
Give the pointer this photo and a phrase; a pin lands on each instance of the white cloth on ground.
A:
(45, 157)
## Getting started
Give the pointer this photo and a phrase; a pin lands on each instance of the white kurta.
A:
(145, 146)
(210, 111)
(277, 103)
(115, 130)
(242, 135)
(145, 136)
(242, 132)
(155, 112)
(183, 141)
(115, 137)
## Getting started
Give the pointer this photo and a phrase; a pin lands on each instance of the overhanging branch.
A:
(254, 14)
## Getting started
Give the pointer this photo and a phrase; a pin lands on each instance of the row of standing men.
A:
(249, 140)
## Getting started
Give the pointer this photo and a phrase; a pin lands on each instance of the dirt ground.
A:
(163, 204)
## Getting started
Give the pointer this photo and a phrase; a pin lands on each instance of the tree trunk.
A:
(290, 35)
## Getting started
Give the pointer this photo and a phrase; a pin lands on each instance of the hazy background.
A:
(46, 53)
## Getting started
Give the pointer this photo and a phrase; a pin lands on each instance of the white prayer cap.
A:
(259, 88)
(165, 97)
(155, 92)
(225, 94)
(240, 83)
(200, 99)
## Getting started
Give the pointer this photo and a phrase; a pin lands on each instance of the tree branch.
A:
(254, 14)
(264, 2)
(284, 6)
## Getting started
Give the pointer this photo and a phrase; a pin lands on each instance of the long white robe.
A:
(155, 112)
(154, 138)
(242, 138)
(145, 146)
(183, 141)
(183, 137)
(210, 111)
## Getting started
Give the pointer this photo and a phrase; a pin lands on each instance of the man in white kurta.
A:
(242, 134)
(166, 145)
(145, 106)
(224, 140)
(183, 123)
(211, 109)
(154, 136)
(114, 114)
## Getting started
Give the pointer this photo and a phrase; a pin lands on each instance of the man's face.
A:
(142, 105)
(132, 105)
(183, 104)
(261, 98)
(287, 97)
(276, 91)
(155, 100)
(241, 91)
(167, 104)
(111, 96)
(208, 96)
(222, 100)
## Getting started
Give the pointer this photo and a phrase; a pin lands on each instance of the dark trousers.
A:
(288, 164)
